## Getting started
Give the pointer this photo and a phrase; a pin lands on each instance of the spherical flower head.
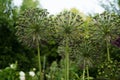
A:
(31, 73)
(21, 73)
(13, 66)
(34, 69)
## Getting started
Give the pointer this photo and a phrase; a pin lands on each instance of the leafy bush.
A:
(9, 73)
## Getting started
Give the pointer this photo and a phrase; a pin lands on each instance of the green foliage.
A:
(109, 70)
(9, 73)
(7, 37)
(31, 29)
(119, 3)
(66, 26)
(55, 72)
(26, 4)
(110, 5)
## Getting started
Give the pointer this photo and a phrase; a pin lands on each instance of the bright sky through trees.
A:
(55, 6)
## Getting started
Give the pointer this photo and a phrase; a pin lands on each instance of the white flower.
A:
(22, 75)
(22, 78)
(34, 69)
(13, 66)
(31, 73)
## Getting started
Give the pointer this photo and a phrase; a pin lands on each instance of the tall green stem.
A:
(67, 60)
(39, 60)
(87, 68)
(44, 67)
(84, 71)
(108, 51)
(65, 75)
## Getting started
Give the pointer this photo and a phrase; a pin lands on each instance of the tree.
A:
(119, 3)
(6, 32)
(31, 29)
(111, 5)
(76, 11)
(26, 4)
(67, 27)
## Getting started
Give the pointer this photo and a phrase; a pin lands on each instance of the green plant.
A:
(9, 73)
(67, 26)
(31, 76)
(55, 72)
(106, 29)
(84, 50)
(31, 29)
